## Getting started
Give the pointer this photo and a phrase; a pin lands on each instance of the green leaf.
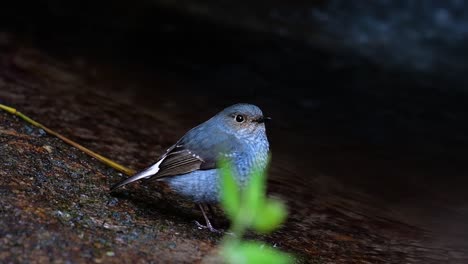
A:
(253, 252)
(254, 193)
(230, 196)
(269, 216)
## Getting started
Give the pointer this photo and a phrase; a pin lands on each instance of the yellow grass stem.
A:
(103, 159)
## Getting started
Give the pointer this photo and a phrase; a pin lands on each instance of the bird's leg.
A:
(208, 223)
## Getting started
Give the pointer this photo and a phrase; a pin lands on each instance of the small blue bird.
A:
(189, 167)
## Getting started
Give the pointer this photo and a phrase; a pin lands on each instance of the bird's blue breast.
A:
(201, 186)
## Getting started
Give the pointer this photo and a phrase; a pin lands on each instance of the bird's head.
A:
(243, 120)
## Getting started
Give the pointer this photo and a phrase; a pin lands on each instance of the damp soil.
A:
(369, 162)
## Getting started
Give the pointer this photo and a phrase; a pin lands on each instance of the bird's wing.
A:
(180, 160)
(197, 151)
(188, 155)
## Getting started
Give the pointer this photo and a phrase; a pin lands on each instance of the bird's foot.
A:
(209, 227)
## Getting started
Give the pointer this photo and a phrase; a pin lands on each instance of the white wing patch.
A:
(152, 170)
(141, 175)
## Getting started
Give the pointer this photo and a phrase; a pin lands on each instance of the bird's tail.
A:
(145, 174)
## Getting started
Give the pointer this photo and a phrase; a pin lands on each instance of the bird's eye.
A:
(240, 118)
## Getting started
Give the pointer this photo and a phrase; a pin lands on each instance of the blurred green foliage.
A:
(250, 208)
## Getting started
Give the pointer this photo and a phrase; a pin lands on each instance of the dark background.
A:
(368, 98)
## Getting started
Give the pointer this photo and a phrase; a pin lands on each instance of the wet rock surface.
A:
(359, 167)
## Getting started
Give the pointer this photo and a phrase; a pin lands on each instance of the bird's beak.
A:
(262, 119)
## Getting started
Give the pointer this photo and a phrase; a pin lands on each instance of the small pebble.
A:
(47, 148)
